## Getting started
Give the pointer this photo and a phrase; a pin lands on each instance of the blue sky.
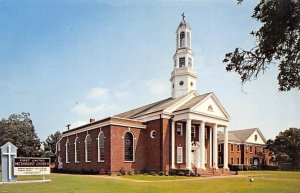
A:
(68, 61)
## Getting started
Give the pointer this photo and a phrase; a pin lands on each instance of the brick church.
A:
(180, 132)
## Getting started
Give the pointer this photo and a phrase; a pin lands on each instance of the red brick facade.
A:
(150, 153)
(246, 154)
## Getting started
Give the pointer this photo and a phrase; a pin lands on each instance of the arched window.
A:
(68, 148)
(101, 150)
(128, 147)
(88, 151)
(182, 39)
(77, 150)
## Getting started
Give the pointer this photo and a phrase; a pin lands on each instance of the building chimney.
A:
(92, 120)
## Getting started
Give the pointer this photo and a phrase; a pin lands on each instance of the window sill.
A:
(101, 161)
(76, 162)
(128, 161)
(67, 162)
(87, 161)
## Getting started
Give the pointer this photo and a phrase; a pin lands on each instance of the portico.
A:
(201, 152)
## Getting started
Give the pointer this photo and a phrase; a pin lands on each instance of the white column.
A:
(210, 146)
(225, 148)
(198, 150)
(202, 145)
(173, 145)
(215, 147)
(188, 144)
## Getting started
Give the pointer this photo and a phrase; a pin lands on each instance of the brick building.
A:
(179, 132)
(245, 147)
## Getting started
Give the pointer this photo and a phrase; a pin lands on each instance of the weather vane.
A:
(183, 16)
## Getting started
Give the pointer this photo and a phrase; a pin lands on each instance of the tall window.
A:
(101, 150)
(88, 151)
(68, 148)
(238, 160)
(179, 155)
(182, 39)
(182, 62)
(247, 161)
(232, 147)
(179, 128)
(220, 160)
(193, 130)
(246, 148)
(77, 150)
(255, 150)
(219, 148)
(128, 147)
(232, 160)
(251, 149)
(251, 160)
(238, 148)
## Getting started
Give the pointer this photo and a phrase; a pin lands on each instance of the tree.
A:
(277, 42)
(19, 130)
(50, 145)
(286, 146)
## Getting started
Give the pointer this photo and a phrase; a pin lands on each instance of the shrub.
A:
(122, 171)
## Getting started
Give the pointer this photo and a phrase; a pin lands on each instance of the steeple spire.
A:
(183, 77)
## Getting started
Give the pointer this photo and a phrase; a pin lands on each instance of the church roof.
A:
(239, 135)
(191, 103)
(150, 108)
(183, 23)
(162, 105)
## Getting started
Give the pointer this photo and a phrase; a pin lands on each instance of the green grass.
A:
(265, 181)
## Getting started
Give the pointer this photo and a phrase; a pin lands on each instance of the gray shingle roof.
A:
(160, 106)
(193, 102)
(239, 135)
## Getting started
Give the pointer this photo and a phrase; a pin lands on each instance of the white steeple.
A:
(183, 77)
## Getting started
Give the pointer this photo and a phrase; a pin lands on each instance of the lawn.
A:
(263, 182)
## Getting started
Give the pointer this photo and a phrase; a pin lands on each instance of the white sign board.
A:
(31, 166)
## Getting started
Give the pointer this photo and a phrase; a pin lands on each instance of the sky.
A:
(66, 61)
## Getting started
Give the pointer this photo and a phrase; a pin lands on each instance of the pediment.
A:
(211, 106)
(257, 138)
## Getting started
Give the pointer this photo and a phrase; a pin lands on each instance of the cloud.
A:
(97, 92)
(84, 109)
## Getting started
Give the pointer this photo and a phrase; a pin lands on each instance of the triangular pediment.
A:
(256, 137)
(210, 105)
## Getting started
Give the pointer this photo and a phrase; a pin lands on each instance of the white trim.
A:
(153, 132)
(67, 148)
(238, 149)
(103, 124)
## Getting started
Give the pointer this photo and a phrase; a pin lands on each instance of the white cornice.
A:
(103, 124)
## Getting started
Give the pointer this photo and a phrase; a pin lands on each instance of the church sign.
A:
(31, 166)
